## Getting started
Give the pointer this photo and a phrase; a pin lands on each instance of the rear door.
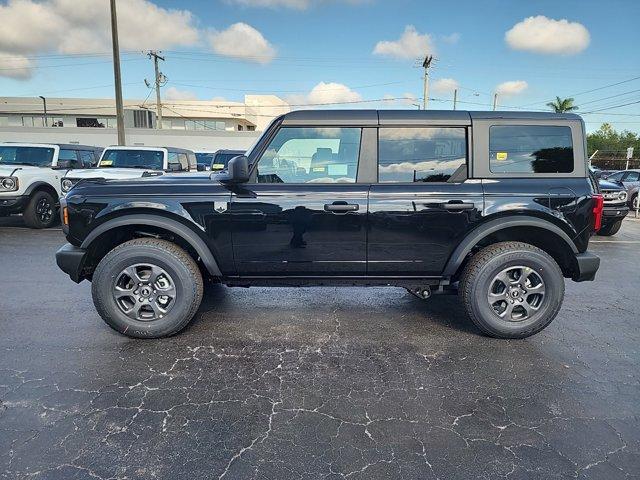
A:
(423, 204)
(304, 211)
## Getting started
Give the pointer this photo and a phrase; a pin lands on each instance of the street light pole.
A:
(117, 75)
(426, 64)
(44, 117)
(495, 101)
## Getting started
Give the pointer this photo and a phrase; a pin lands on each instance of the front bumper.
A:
(611, 213)
(17, 204)
(71, 259)
(588, 265)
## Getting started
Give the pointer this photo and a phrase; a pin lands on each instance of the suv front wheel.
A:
(147, 288)
(41, 212)
(512, 289)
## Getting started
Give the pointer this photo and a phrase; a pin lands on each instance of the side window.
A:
(172, 160)
(71, 156)
(616, 176)
(632, 177)
(87, 158)
(425, 154)
(311, 155)
(530, 149)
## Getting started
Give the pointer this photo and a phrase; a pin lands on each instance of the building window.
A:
(89, 122)
(57, 122)
(240, 128)
(251, 128)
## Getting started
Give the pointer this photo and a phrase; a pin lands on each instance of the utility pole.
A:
(455, 98)
(160, 80)
(426, 64)
(44, 117)
(117, 74)
(495, 101)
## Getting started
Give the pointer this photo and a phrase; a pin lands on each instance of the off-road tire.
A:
(31, 216)
(170, 257)
(611, 229)
(479, 274)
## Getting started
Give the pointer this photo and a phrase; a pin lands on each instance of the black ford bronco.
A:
(497, 206)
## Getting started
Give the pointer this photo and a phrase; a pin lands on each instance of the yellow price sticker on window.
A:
(501, 156)
(106, 163)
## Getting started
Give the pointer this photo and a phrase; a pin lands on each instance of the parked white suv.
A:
(30, 176)
(118, 163)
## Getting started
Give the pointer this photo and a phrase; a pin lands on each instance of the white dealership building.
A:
(195, 124)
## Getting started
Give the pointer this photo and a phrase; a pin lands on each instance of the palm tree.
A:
(561, 105)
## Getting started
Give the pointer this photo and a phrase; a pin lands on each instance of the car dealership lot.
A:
(316, 382)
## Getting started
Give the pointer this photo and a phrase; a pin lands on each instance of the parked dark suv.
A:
(496, 206)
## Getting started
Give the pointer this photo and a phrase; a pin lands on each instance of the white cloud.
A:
(445, 85)
(405, 99)
(410, 45)
(173, 93)
(451, 38)
(326, 93)
(242, 41)
(15, 66)
(70, 27)
(512, 87)
(295, 4)
(545, 35)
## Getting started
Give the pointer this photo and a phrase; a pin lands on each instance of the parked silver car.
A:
(631, 181)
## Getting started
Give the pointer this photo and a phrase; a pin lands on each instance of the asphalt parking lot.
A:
(316, 382)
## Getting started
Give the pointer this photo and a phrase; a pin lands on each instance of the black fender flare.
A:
(492, 226)
(188, 234)
(40, 185)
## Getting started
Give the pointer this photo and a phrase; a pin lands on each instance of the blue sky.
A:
(306, 42)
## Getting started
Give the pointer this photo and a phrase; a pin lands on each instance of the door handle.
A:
(458, 206)
(341, 207)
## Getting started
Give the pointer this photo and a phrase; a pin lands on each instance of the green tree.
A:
(561, 105)
(607, 139)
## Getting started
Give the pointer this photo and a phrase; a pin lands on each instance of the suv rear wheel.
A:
(41, 212)
(147, 288)
(512, 289)
(611, 229)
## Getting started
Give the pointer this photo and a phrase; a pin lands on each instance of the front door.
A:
(422, 205)
(303, 213)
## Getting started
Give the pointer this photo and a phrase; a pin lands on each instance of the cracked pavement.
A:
(315, 383)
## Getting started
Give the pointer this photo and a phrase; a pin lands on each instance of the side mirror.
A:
(201, 167)
(237, 171)
(174, 167)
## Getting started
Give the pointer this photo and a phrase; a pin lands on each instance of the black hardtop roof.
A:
(77, 146)
(138, 147)
(404, 117)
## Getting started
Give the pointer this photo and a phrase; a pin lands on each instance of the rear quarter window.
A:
(530, 149)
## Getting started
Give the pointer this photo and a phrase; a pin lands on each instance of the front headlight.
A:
(8, 184)
(66, 184)
(622, 196)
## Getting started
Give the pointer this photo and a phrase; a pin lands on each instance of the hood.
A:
(110, 173)
(6, 170)
(183, 184)
(607, 185)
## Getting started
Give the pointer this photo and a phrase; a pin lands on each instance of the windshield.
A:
(151, 159)
(33, 156)
(204, 159)
(222, 159)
